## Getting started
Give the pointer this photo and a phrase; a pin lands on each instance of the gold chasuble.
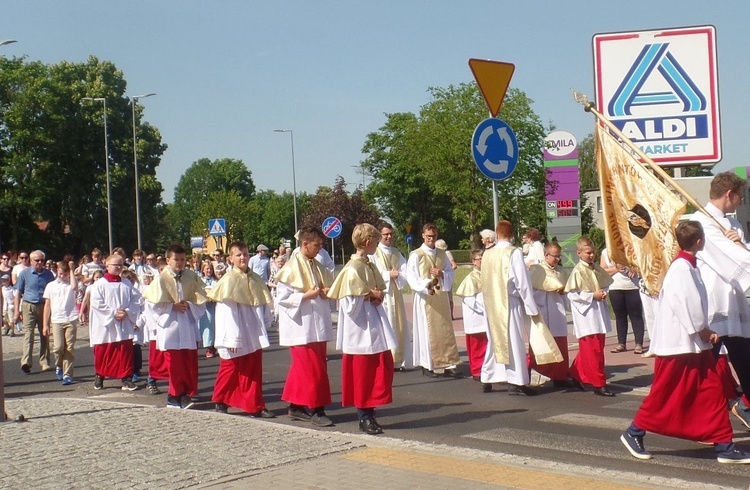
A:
(389, 262)
(588, 278)
(496, 277)
(443, 348)
(546, 278)
(304, 274)
(357, 278)
(163, 289)
(244, 288)
(471, 285)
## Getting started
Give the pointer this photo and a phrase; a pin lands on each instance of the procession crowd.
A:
(515, 308)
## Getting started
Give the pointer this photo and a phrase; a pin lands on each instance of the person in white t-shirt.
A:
(8, 307)
(61, 319)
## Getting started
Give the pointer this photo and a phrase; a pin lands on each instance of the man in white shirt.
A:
(430, 276)
(724, 264)
(392, 266)
(61, 320)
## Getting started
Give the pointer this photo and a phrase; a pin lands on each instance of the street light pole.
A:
(294, 182)
(106, 166)
(133, 100)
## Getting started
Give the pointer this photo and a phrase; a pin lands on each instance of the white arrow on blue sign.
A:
(332, 227)
(495, 149)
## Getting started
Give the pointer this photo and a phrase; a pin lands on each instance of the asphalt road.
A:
(557, 425)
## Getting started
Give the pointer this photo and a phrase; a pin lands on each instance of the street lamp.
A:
(106, 165)
(294, 182)
(7, 41)
(133, 100)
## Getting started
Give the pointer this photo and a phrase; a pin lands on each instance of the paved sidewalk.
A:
(83, 443)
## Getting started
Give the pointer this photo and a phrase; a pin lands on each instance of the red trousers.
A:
(588, 366)
(183, 371)
(239, 382)
(476, 347)
(158, 368)
(307, 382)
(557, 371)
(686, 400)
(114, 360)
(367, 380)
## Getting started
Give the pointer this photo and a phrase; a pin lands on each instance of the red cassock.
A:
(686, 400)
(157, 362)
(183, 371)
(114, 360)
(367, 380)
(307, 382)
(588, 366)
(476, 347)
(239, 382)
(557, 371)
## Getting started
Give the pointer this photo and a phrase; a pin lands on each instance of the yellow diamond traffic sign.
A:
(493, 78)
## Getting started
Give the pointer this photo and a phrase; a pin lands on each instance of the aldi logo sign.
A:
(661, 89)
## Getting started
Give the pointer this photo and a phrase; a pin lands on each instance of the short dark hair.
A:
(307, 233)
(688, 233)
(174, 249)
(384, 224)
(429, 226)
(238, 244)
(726, 181)
(552, 245)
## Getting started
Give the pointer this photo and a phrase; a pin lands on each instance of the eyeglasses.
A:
(558, 257)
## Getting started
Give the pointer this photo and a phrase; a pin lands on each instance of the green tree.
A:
(52, 158)
(351, 209)
(202, 179)
(272, 217)
(423, 163)
(228, 204)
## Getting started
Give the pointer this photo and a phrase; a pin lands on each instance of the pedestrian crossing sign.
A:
(217, 227)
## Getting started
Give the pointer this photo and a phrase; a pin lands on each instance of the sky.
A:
(228, 73)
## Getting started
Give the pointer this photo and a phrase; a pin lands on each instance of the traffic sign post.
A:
(217, 227)
(332, 228)
(493, 79)
(495, 149)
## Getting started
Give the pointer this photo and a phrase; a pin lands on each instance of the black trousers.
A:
(627, 304)
(738, 349)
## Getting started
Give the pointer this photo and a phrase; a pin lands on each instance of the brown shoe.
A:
(618, 349)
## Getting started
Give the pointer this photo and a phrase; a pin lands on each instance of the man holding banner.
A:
(724, 264)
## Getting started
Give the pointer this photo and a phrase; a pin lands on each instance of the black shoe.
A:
(299, 413)
(515, 390)
(128, 385)
(98, 382)
(173, 401)
(577, 384)
(25, 368)
(562, 383)
(486, 387)
(453, 373)
(429, 374)
(186, 402)
(603, 391)
(222, 408)
(263, 414)
(321, 419)
(370, 427)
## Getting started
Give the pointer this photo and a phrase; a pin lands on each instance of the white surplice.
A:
(392, 286)
(725, 269)
(106, 298)
(302, 322)
(590, 316)
(176, 330)
(363, 328)
(241, 327)
(522, 306)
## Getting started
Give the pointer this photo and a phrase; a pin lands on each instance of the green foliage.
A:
(351, 209)
(587, 173)
(597, 236)
(225, 177)
(272, 218)
(461, 256)
(423, 170)
(52, 162)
